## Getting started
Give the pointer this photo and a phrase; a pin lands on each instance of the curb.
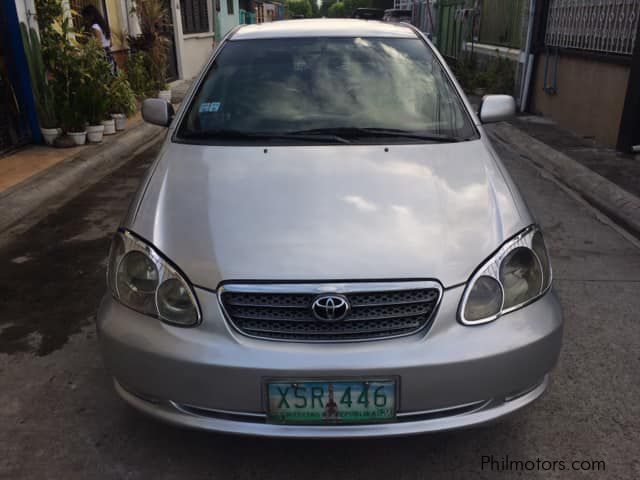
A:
(74, 174)
(620, 205)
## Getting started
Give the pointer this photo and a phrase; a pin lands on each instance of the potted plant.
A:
(73, 98)
(122, 100)
(165, 93)
(63, 59)
(96, 90)
(153, 19)
(42, 90)
(74, 123)
(137, 74)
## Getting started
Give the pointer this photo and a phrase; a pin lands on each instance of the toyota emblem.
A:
(330, 308)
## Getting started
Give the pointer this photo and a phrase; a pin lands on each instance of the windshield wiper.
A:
(358, 132)
(230, 134)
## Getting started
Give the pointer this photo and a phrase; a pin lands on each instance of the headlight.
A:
(140, 278)
(516, 275)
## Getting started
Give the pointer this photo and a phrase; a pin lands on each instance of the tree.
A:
(299, 7)
(336, 10)
(345, 8)
(324, 7)
(315, 9)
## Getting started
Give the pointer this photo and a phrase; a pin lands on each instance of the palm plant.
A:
(153, 20)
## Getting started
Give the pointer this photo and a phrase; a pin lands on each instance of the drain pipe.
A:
(528, 58)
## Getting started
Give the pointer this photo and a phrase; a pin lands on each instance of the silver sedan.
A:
(328, 246)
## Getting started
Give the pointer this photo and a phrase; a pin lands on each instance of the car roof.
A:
(322, 27)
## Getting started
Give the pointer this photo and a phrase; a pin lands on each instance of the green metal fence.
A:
(451, 28)
(501, 23)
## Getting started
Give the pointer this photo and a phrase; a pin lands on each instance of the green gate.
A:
(451, 28)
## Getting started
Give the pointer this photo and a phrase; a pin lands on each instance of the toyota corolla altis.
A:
(327, 245)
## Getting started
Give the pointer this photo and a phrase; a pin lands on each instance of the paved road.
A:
(59, 417)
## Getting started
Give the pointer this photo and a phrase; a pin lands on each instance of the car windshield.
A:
(335, 90)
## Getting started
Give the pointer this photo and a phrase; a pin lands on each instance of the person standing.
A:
(94, 23)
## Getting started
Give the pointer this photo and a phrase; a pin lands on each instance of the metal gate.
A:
(451, 28)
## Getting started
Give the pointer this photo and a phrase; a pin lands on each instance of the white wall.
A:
(192, 50)
(196, 52)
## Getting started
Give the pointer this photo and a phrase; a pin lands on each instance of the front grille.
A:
(386, 310)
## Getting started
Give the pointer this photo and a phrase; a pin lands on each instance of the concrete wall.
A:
(196, 50)
(589, 99)
(193, 50)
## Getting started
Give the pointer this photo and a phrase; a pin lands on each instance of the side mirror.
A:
(497, 108)
(157, 111)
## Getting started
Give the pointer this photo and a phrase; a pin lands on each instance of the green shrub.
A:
(496, 76)
(97, 79)
(137, 74)
(121, 96)
(64, 61)
(337, 10)
(299, 7)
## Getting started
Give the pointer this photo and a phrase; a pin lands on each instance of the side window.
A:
(230, 7)
(195, 16)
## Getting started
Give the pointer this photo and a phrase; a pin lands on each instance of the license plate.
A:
(320, 402)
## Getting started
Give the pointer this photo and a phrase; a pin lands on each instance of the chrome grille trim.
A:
(282, 311)
(400, 416)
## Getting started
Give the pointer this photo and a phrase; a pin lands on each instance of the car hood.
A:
(327, 212)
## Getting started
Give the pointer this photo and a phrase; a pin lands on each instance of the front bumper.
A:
(424, 422)
(211, 377)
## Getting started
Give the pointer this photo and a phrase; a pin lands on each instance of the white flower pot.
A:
(50, 134)
(121, 121)
(165, 95)
(109, 126)
(94, 133)
(79, 138)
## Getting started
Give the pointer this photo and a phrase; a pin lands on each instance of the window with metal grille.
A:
(195, 16)
(230, 7)
(605, 26)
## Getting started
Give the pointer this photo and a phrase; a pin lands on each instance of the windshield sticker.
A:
(209, 107)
